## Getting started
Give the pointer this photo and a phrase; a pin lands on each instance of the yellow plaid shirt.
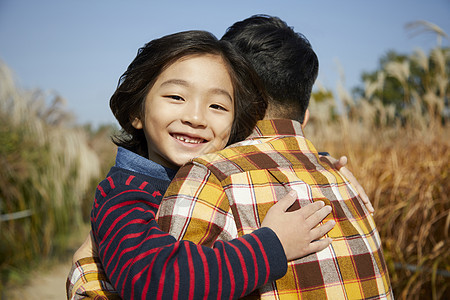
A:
(87, 280)
(227, 194)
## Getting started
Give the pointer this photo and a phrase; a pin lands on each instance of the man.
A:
(226, 194)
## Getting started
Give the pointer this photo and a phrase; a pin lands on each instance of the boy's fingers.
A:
(310, 209)
(318, 215)
(321, 230)
(319, 245)
(286, 201)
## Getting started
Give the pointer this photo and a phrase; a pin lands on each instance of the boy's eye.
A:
(219, 107)
(175, 97)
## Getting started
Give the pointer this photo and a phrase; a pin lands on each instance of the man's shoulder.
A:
(264, 153)
(238, 158)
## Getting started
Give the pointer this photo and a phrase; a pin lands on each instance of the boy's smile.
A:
(188, 111)
(189, 139)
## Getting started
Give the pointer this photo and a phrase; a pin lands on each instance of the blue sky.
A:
(80, 48)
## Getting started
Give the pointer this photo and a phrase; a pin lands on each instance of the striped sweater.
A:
(143, 262)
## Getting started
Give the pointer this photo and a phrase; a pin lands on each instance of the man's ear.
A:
(137, 123)
(305, 119)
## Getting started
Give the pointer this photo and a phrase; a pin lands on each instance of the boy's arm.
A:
(140, 259)
(87, 279)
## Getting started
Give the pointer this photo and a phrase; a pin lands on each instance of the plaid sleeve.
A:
(87, 280)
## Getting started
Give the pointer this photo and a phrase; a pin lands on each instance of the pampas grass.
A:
(403, 162)
(47, 167)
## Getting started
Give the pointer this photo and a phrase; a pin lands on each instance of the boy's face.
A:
(188, 111)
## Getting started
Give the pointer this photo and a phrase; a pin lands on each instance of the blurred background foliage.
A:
(395, 131)
(394, 128)
(49, 171)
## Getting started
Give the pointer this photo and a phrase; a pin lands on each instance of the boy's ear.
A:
(305, 119)
(137, 123)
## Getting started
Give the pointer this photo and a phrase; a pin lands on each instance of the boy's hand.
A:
(340, 165)
(87, 249)
(298, 231)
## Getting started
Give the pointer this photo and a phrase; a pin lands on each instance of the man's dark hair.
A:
(283, 58)
(128, 101)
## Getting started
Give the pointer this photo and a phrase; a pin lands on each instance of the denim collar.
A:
(131, 161)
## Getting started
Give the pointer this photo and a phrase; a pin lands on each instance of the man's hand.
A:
(87, 249)
(298, 231)
(340, 165)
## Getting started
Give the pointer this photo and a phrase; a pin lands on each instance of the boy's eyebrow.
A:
(222, 92)
(185, 83)
(175, 81)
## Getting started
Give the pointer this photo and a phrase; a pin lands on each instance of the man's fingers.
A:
(93, 245)
(365, 198)
(337, 163)
(85, 249)
(362, 193)
(342, 162)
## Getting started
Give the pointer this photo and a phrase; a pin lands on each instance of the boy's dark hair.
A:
(283, 59)
(128, 101)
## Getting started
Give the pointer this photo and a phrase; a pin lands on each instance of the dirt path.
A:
(50, 282)
(50, 285)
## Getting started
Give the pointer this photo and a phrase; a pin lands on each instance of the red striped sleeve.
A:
(266, 261)
(111, 182)
(162, 279)
(244, 268)
(255, 263)
(129, 180)
(206, 269)
(230, 271)
(219, 265)
(176, 284)
(191, 273)
(102, 192)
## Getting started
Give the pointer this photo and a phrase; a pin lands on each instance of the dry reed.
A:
(404, 168)
(47, 167)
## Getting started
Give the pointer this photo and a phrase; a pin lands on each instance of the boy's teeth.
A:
(187, 140)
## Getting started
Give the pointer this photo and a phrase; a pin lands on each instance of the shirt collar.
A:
(131, 161)
(276, 127)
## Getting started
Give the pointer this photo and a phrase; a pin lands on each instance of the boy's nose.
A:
(194, 115)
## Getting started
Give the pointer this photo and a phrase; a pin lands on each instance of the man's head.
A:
(283, 59)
